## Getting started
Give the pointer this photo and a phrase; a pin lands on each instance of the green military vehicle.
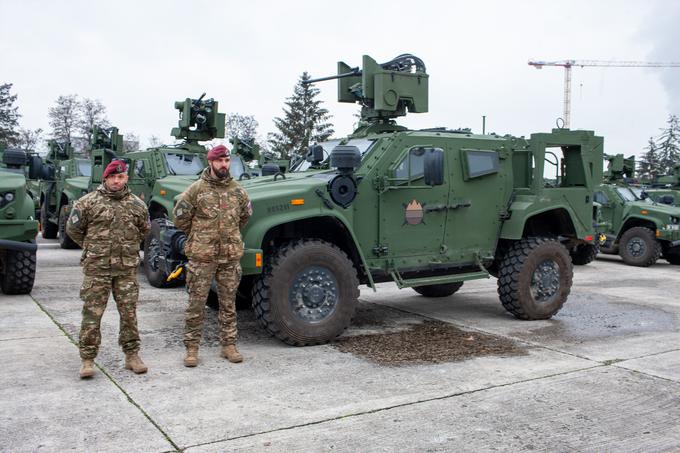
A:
(666, 189)
(64, 177)
(639, 229)
(18, 227)
(427, 209)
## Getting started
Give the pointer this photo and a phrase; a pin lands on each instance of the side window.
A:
(601, 198)
(479, 163)
(139, 168)
(412, 166)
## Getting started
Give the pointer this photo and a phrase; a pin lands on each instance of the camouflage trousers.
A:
(95, 295)
(199, 279)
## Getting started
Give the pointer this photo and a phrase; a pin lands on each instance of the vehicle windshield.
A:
(363, 144)
(83, 167)
(630, 194)
(184, 164)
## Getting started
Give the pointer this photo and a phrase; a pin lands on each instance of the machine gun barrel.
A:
(352, 73)
(198, 101)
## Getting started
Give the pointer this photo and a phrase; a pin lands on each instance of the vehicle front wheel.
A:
(307, 294)
(584, 253)
(17, 271)
(639, 247)
(535, 278)
(65, 240)
(443, 290)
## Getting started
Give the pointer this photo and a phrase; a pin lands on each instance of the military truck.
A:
(18, 227)
(426, 209)
(666, 189)
(64, 177)
(639, 229)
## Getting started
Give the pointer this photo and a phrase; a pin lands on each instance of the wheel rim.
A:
(313, 295)
(545, 281)
(636, 247)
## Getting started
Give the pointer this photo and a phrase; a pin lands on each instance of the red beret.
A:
(217, 152)
(115, 167)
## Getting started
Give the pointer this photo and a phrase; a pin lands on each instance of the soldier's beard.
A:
(220, 173)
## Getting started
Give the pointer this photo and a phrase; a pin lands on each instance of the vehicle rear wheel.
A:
(584, 253)
(442, 290)
(307, 294)
(49, 229)
(639, 247)
(535, 278)
(65, 240)
(17, 271)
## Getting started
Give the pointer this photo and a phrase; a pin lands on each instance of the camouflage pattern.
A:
(95, 293)
(109, 226)
(211, 212)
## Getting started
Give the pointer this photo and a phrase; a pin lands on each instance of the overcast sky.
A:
(138, 57)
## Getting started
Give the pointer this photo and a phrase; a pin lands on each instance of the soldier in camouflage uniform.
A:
(211, 212)
(109, 225)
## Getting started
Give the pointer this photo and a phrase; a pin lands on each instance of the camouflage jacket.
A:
(109, 226)
(211, 212)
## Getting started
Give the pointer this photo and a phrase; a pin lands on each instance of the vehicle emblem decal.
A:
(413, 213)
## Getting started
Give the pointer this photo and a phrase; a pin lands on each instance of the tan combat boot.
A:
(87, 368)
(230, 353)
(191, 359)
(134, 363)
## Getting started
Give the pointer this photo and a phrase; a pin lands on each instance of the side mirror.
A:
(269, 169)
(315, 154)
(434, 167)
(35, 164)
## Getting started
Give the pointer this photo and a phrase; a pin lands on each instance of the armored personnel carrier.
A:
(425, 209)
(18, 227)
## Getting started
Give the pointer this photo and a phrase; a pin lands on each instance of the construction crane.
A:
(568, 64)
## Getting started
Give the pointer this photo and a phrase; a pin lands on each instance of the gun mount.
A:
(672, 179)
(619, 167)
(199, 120)
(384, 91)
(108, 138)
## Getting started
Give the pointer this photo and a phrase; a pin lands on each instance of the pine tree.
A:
(304, 122)
(9, 115)
(649, 164)
(668, 145)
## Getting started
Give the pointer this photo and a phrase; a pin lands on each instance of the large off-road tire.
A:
(584, 254)
(49, 229)
(534, 278)
(307, 294)
(442, 290)
(65, 240)
(638, 247)
(155, 273)
(17, 271)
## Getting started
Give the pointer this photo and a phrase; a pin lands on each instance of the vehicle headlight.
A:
(6, 198)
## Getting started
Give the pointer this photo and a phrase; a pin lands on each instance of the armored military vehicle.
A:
(426, 209)
(18, 227)
(64, 177)
(666, 189)
(639, 229)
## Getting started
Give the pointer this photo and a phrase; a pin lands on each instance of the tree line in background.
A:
(662, 152)
(71, 118)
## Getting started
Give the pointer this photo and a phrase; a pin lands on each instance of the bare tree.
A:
(154, 141)
(28, 139)
(9, 115)
(92, 113)
(131, 142)
(64, 117)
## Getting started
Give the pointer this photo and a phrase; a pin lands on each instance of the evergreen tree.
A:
(304, 121)
(668, 145)
(649, 164)
(9, 115)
